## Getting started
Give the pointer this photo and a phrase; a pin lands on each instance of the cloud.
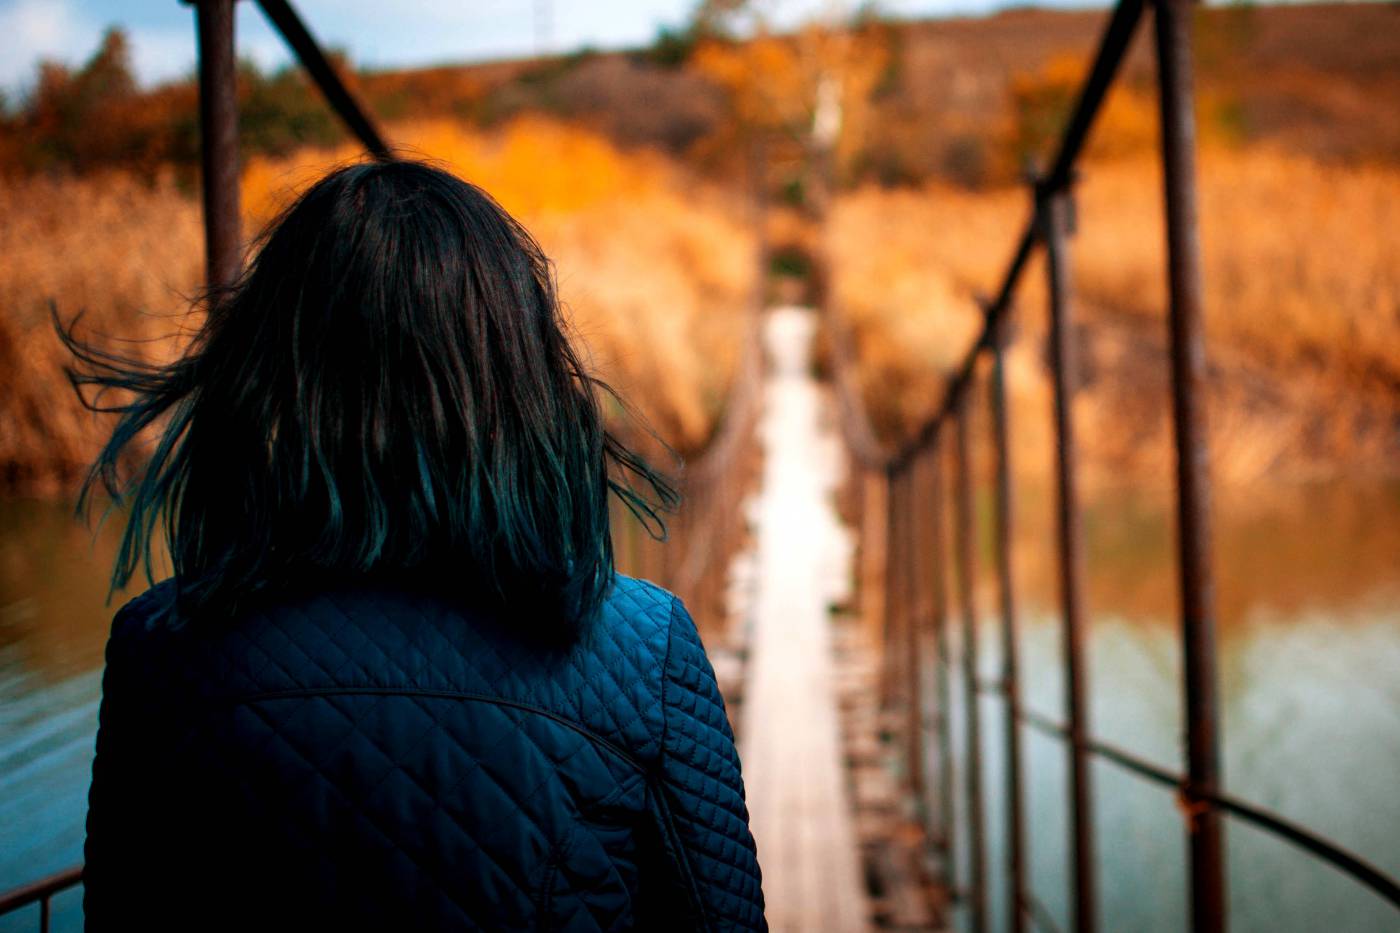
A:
(159, 54)
(35, 29)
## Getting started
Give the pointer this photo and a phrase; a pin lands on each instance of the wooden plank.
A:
(798, 802)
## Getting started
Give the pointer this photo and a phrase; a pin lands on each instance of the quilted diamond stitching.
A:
(613, 685)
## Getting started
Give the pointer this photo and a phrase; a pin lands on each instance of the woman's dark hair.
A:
(387, 389)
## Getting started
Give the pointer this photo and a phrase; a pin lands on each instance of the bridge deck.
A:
(798, 802)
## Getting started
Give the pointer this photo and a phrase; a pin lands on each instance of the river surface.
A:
(1309, 662)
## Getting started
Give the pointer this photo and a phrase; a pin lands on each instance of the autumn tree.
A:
(808, 91)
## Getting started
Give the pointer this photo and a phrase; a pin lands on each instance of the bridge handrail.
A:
(41, 891)
(218, 119)
(907, 614)
(1113, 47)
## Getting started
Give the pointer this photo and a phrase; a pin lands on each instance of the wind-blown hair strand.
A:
(388, 389)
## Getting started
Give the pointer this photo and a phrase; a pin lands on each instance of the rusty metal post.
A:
(309, 53)
(873, 541)
(1010, 681)
(965, 532)
(1188, 368)
(939, 559)
(1053, 211)
(888, 680)
(218, 124)
(914, 646)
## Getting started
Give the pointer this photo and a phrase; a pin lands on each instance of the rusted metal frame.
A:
(41, 891)
(1038, 913)
(1347, 862)
(712, 534)
(915, 644)
(218, 128)
(218, 120)
(966, 544)
(1188, 371)
(309, 53)
(1053, 209)
(893, 593)
(938, 559)
(1015, 811)
(961, 381)
(1113, 48)
(724, 453)
(901, 565)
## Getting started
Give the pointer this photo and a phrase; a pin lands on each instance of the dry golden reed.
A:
(656, 270)
(1302, 290)
(656, 273)
(126, 254)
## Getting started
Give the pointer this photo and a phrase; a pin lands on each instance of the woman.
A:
(395, 682)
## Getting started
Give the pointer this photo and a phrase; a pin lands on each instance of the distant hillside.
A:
(629, 167)
(1311, 79)
(951, 101)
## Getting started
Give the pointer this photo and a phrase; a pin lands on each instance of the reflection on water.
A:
(1309, 606)
(1309, 655)
(53, 625)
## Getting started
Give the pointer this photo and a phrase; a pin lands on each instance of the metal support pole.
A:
(893, 596)
(977, 893)
(939, 558)
(1188, 367)
(873, 547)
(309, 53)
(1015, 816)
(1053, 210)
(914, 645)
(218, 123)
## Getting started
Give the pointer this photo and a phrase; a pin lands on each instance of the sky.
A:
(377, 33)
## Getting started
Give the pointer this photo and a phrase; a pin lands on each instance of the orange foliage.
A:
(1042, 101)
(1302, 287)
(655, 269)
(121, 250)
(656, 272)
(765, 79)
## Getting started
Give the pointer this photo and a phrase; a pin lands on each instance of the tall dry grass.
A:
(1302, 288)
(655, 271)
(123, 252)
(656, 268)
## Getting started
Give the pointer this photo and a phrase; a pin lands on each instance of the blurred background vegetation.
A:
(635, 169)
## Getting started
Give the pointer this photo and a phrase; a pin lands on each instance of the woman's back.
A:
(498, 733)
(376, 757)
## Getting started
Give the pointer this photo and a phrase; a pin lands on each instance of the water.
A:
(1310, 668)
(53, 625)
(1309, 597)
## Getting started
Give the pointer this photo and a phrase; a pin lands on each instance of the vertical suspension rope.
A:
(218, 122)
(943, 720)
(1011, 690)
(966, 531)
(1053, 211)
(1188, 372)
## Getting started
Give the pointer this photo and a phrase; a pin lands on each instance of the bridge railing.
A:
(709, 528)
(703, 537)
(901, 497)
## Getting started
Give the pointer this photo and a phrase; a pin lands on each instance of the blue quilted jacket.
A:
(378, 758)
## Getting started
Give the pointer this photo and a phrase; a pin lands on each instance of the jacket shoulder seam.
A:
(468, 696)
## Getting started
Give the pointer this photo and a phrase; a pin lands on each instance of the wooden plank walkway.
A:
(799, 806)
